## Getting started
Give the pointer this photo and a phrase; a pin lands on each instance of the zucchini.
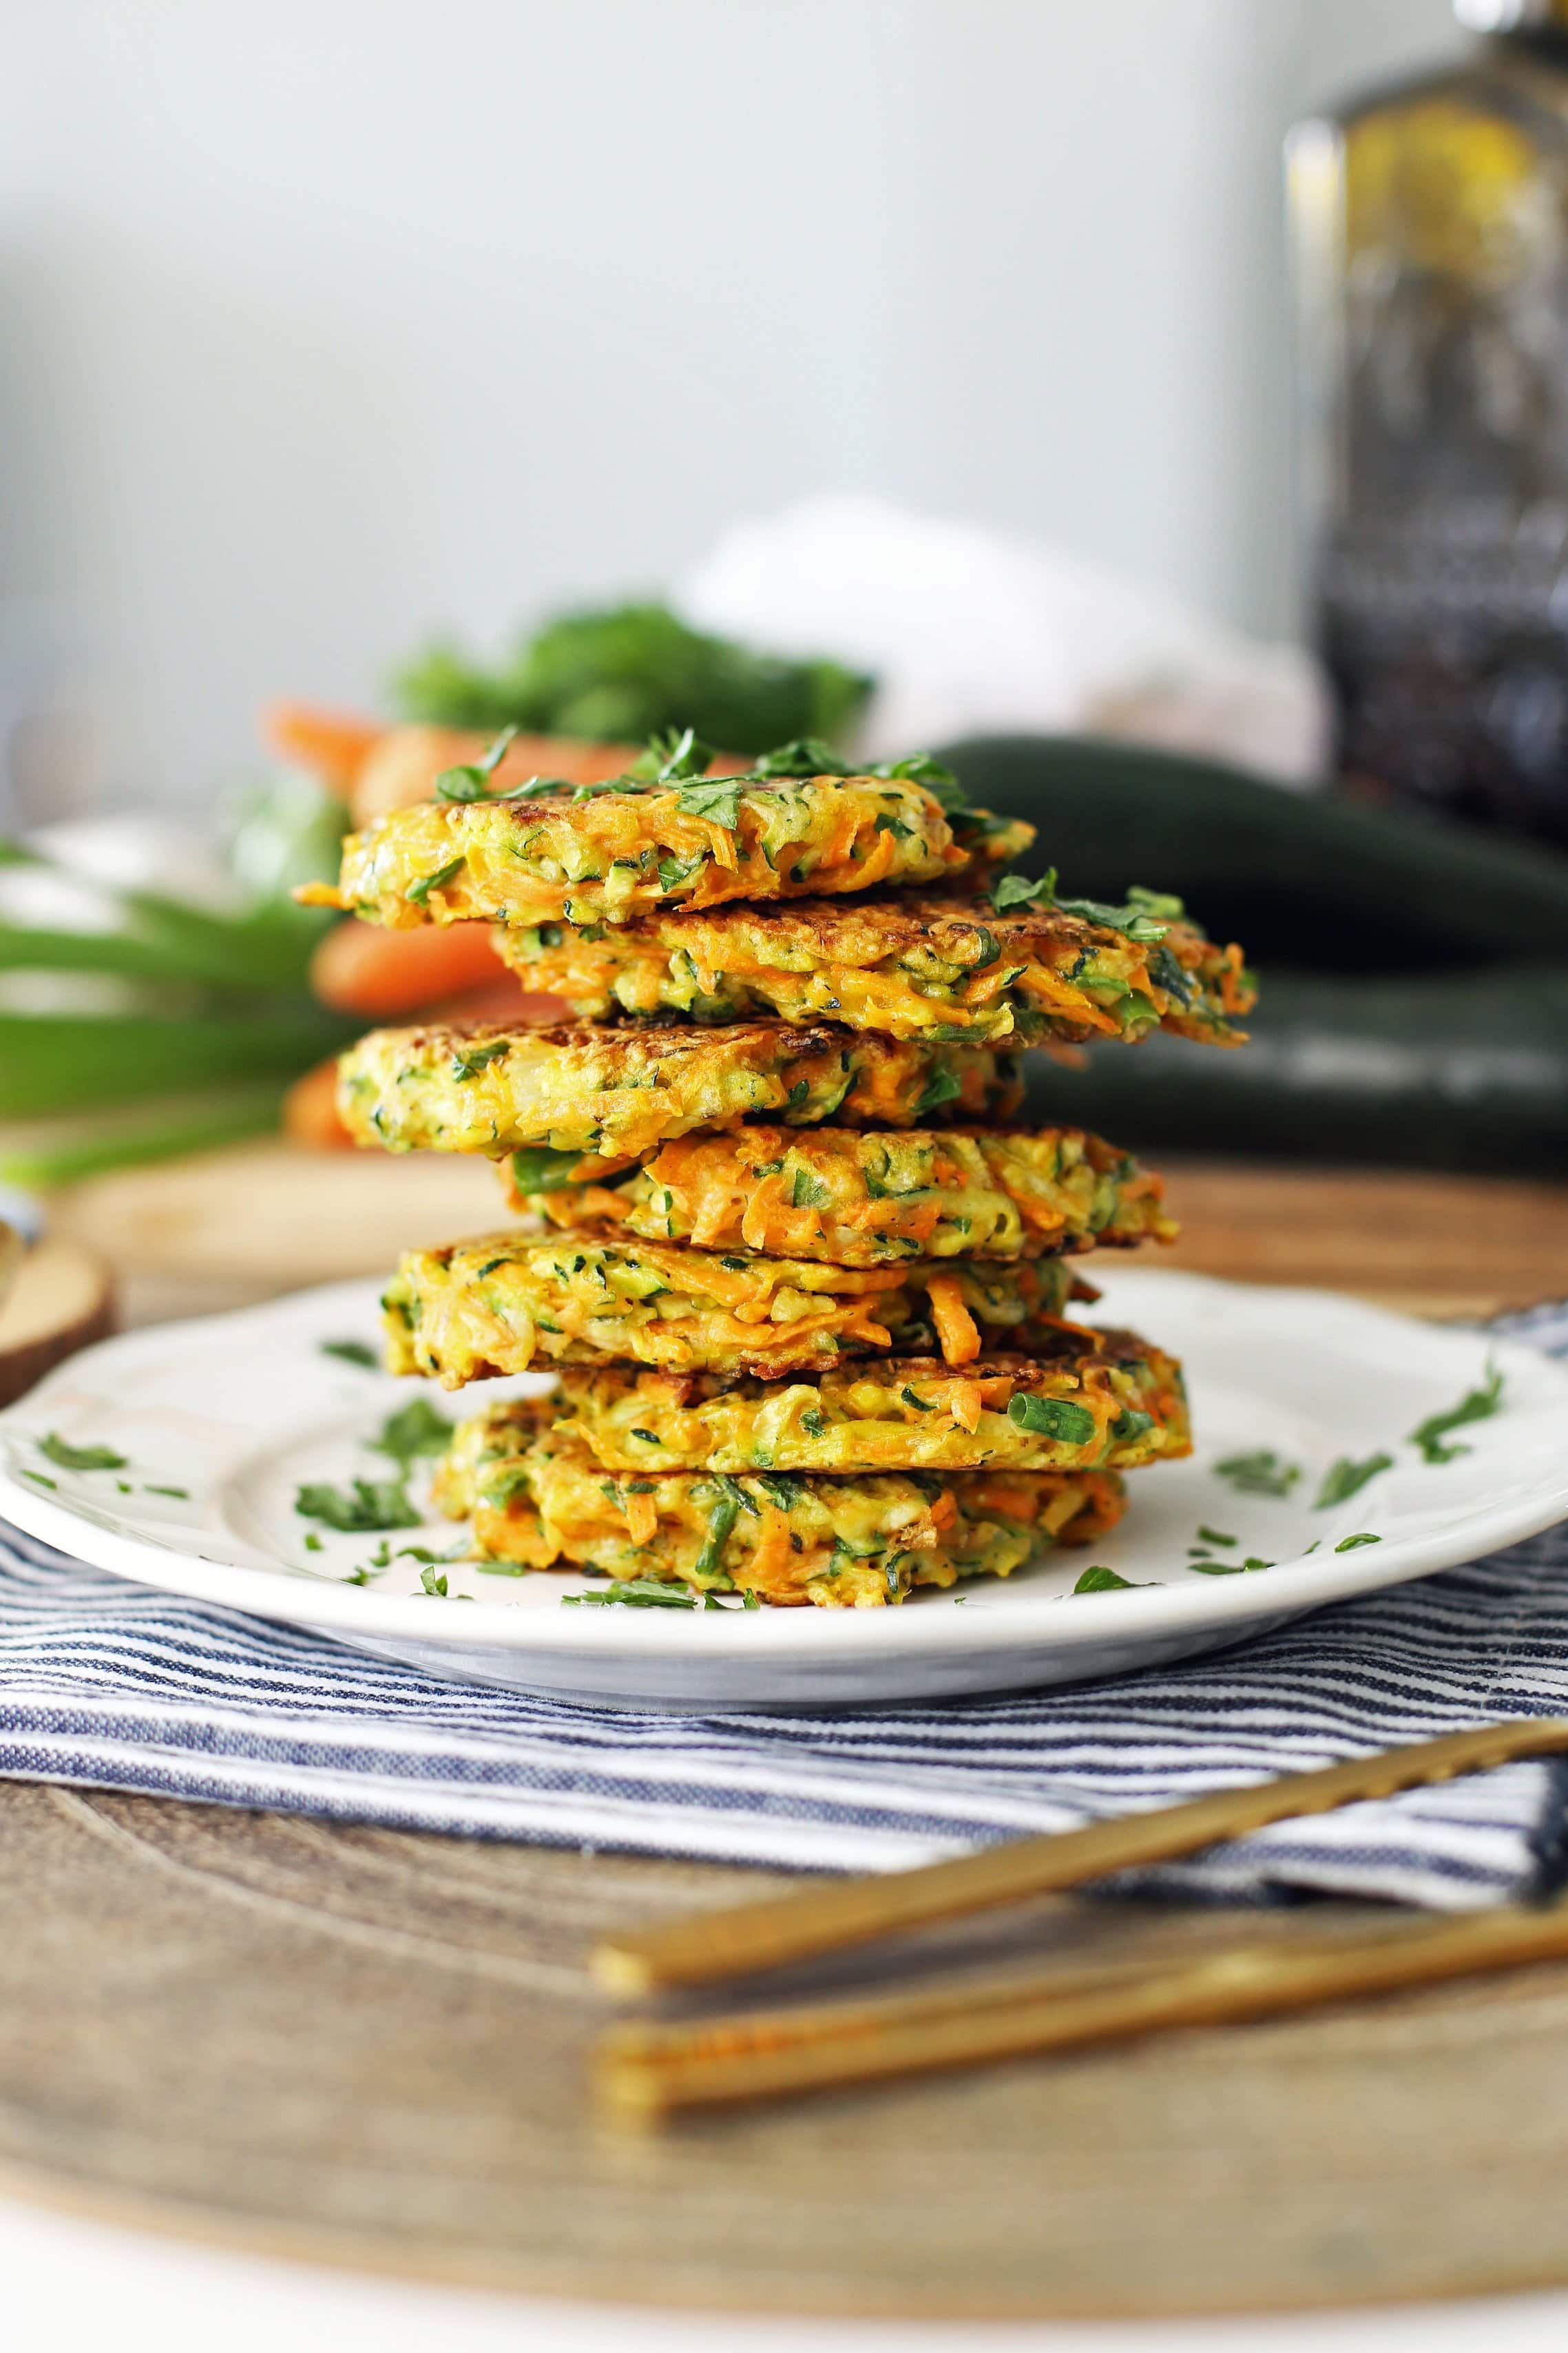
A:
(1306, 880)
(1414, 1006)
(1467, 1073)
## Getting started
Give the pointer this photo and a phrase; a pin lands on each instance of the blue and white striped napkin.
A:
(108, 1685)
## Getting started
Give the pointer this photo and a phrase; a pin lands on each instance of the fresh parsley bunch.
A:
(621, 673)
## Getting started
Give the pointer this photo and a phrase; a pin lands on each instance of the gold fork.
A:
(826, 1918)
(646, 2069)
(644, 2073)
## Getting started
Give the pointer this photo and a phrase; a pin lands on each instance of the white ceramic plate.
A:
(239, 1410)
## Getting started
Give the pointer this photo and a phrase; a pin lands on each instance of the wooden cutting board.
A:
(367, 2046)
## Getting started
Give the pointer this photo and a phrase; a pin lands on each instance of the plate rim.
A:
(801, 1636)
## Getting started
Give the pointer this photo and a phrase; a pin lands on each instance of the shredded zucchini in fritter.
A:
(504, 1302)
(619, 1093)
(943, 969)
(863, 1198)
(538, 1498)
(1079, 1400)
(600, 854)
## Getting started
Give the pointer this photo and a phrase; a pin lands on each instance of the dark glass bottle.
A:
(1430, 232)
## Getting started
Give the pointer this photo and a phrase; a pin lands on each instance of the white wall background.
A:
(327, 321)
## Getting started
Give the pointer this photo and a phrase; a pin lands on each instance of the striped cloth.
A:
(109, 1685)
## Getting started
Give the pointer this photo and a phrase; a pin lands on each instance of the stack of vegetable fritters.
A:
(808, 1291)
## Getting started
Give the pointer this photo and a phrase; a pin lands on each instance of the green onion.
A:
(1057, 1417)
(720, 1527)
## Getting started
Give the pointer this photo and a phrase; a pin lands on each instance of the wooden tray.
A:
(367, 2047)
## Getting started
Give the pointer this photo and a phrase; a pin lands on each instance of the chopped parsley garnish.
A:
(1349, 1543)
(1213, 1537)
(415, 1428)
(807, 755)
(1099, 1579)
(933, 775)
(1145, 918)
(472, 782)
(40, 1480)
(1016, 891)
(353, 1351)
(182, 1494)
(1347, 1477)
(1046, 1416)
(67, 1457)
(1227, 1567)
(433, 1582)
(718, 800)
(362, 1508)
(313, 1540)
(674, 758)
(471, 1060)
(1478, 1405)
(634, 1593)
(1263, 1473)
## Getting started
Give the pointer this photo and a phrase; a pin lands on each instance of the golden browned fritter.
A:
(1078, 1401)
(945, 969)
(606, 855)
(860, 1198)
(538, 1499)
(622, 1091)
(507, 1302)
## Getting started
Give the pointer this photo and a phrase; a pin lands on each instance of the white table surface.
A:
(74, 2286)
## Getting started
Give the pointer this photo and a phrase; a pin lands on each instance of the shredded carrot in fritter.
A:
(955, 1326)
(965, 1403)
(642, 1517)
